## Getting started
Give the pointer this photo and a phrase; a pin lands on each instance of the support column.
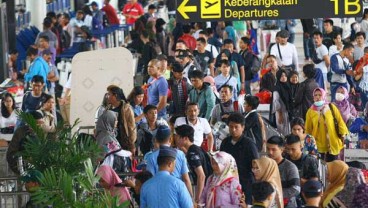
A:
(3, 41)
(38, 11)
(10, 13)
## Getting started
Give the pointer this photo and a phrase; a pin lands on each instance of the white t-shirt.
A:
(214, 51)
(288, 52)
(333, 50)
(321, 52)
(201, 127)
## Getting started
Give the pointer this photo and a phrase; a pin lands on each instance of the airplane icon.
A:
(209, 4)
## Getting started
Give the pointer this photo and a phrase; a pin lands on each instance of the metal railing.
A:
(11, 193)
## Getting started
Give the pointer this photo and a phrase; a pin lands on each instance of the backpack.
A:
(313, 53)
(155, 49)
(65, 39)
(121, 164)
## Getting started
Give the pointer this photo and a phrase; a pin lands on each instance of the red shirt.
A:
(111, 14)
(134, 10)
(190, 41)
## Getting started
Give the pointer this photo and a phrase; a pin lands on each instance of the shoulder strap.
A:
(186, 120)
(278, 48)
(332, 111)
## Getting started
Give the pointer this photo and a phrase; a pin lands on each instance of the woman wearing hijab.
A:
(111, 182)
(105, 131)
(266, 169)
(322, 121)
(347, 110)
(336, 177)
(222, 188)
(295, 108)
(281, 102)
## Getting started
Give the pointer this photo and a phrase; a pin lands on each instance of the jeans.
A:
(306, 42)
(334, 86)
(291, 38)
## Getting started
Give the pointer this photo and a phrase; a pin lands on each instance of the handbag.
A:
(335, 120)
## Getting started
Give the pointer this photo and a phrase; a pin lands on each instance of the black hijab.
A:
(283, 88)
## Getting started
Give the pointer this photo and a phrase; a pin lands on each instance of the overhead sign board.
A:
(232, 10)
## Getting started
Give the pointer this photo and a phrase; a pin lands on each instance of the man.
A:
(308, 29)
(202, 94)
(198, 160)
(12, 64)
(32, 100)
(147, 131)
(180, 171)
(38, 66)
(360, 45)
(201, 126)
(229, 45)
(53, 75)
(312, 193)
(268, 80)
(47, 25)
(307, 165)
(227, 106)
(183, 57)
(132, 11)
(157, 88)
(341, 70)
(320, 55)
(244, 152)
(204, 57)
(285, 52)
(180, 87)
(136, 186)
(252, 64)
(111, 13)
(97, 13)
(212, 40)
(209, 47)
(77, 23)
(329, 30)
(150, 13)
(44, 44)
(165, 190)
(288, 171)
(254, 126)
(126, 129)
(262, 194)
(67, 34)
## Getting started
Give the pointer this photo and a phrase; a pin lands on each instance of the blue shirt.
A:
(138, 110)
(156, 89)
(164, 190)
(38, 67)
(181, 166)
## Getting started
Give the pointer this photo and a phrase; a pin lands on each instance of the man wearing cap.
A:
(180, 87)
(180, 170)
(47, 25)
(312, 192)
(38, 66)
(285, 52)
(96, 12)
(165, 190)
(183, 57)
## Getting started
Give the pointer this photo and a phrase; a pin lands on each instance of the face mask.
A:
(339, 96)
(319, 103)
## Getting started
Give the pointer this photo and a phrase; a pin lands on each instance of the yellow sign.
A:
(210, 9)
(183, 9)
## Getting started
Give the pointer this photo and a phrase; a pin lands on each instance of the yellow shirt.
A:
(321, 125)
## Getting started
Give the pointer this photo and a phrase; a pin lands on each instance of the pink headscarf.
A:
(344, 107)
(211, 81)
(110, 176)
(323, 92)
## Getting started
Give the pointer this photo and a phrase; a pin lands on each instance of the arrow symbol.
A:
(183, 9)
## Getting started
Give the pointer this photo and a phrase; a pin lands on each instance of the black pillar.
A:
(10, 13)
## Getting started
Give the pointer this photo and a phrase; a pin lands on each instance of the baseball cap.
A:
(312, 187)
(167, 152)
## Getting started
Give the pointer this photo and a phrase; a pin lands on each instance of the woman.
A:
(324, 122)
(308, 141)
(225, 54)
(111, 182)
(222, 188)
(281, 102)
(48, 105)
(295, 108)
(135, 99)
(347, 110)
(8, 117)
(266, 169)
(105, 132)
(304, 96)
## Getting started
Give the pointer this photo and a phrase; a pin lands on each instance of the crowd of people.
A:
(198, 82)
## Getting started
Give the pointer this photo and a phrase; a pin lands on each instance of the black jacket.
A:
(253, 129)
(244, 152)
